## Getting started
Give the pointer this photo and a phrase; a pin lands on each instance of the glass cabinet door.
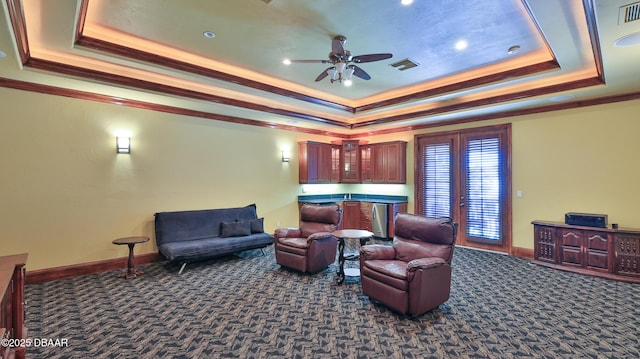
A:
(350, 162)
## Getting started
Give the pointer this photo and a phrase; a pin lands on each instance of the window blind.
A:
(437, 180)
(482, 190)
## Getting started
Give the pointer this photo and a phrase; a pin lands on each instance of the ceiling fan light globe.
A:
(348, 82)
(334, 74)
(348, 73)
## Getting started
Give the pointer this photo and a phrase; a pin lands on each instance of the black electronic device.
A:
(586, 219)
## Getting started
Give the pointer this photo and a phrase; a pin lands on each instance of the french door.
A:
(465, 175)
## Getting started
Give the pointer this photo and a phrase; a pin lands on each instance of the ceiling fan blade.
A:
(308, 61)
(337, 45)
(360, 73)
(370, 58)
(323, 74)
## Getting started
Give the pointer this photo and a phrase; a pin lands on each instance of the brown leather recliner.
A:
(311, 247)
(412, 276)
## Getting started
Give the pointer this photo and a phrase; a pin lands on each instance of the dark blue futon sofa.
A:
(188, 236)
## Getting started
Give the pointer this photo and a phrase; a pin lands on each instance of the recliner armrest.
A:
(425, 263)
(318, 236)
(287, 233)
(377, 251)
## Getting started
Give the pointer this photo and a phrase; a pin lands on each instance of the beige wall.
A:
(65, 194)
(583, 160)
(580, 160)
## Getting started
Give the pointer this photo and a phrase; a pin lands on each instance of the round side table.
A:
(131, 272)
(341, 234)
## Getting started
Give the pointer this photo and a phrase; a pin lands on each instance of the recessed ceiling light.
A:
(461, 45)
(513, 49)
(629, 40)
(209, 34)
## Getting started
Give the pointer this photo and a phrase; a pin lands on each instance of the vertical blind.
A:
(437, 180)
(483, 183)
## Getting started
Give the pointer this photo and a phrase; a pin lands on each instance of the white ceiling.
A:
(153, 53)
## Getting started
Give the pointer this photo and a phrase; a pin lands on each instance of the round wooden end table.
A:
(131, 272)
(341, 234)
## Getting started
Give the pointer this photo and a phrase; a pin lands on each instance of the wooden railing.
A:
(12, 330)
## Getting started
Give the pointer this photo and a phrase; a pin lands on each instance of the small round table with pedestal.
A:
(341, 234)
(131, 272)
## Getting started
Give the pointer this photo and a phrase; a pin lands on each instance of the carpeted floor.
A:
(246, 306)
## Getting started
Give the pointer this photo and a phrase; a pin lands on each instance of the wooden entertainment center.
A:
(603, 252)
(12, 330)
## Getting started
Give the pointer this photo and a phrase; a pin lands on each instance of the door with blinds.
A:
(466, 175)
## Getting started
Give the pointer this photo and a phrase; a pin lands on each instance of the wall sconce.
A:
(286, 155)
(123, 144)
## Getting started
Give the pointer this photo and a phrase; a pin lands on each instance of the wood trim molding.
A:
(463, 85)
(71, 271)
(101, 45)
(505, 114)
(16, 16)
(137, 55)
(76, 71)
(82, 95)
(143, 56)
(590, 15)
(526, 253)
(485, 101)
(19, 27)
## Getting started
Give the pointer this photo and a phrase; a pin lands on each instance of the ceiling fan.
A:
(343, 63)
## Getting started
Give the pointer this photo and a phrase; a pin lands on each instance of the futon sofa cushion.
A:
(187, 251)
(187, 236)
(235, 229)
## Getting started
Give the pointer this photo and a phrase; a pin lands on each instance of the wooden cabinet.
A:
(545, 243)
(334, 175)
(627, 254)
(394, 209)
(350, 162)
(584, 248)
(366, 216)
(366, 176)
(610, 253)
(384, 162)
(12, 276)
(318, 162)
(350, 215)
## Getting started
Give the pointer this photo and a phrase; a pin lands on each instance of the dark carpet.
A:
(246, 306)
